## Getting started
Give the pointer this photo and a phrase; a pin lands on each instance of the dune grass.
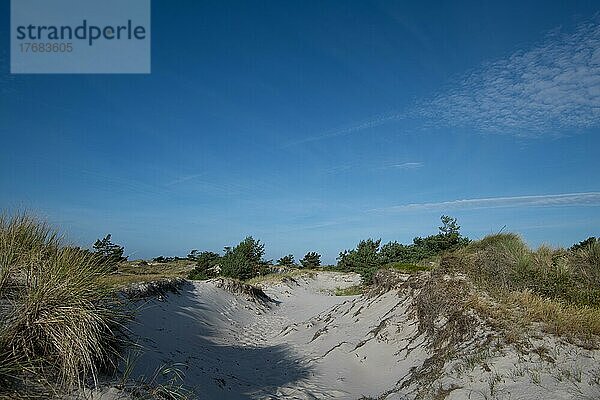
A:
(178, 268)
(279, 277)
(130, 272)
(58, 321)
(557, 287)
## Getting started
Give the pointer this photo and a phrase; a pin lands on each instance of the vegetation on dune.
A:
(311, 260)
(110, 253)
(287, 276)
(206, 263)
(369, 255)
(558, 287)
(59, 315)
(286, 261)
(350, 291)
(245, 260)
(407, 268)
(164, 260)
(58, 321)
(364, 260)
(585, 243)
(506, 263)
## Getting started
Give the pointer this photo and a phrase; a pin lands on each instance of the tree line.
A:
(247, 259)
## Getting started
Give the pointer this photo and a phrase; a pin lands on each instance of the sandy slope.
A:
(310, 344)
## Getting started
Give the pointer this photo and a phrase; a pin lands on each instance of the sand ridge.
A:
(310, 344)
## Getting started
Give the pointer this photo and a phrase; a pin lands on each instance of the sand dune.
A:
(306, 343)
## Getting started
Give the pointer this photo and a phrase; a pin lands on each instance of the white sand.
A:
(314, 345)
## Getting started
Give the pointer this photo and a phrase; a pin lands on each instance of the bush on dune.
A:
(364, 260)
(369, 255)
(311, 260)
(286, 261)
(245, 260)
(585, 243)
(206, 265)
(57, 319)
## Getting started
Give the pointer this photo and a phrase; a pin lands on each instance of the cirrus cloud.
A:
(549, 200)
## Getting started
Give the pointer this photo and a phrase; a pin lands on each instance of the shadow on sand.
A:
(201, 331)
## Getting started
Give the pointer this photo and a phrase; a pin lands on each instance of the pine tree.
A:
(311, 260)
(286, 261)
(110, 253)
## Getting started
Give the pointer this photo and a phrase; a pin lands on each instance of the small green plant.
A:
(350, 291)
(405, 267)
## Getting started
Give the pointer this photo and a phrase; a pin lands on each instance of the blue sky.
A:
(312, 125)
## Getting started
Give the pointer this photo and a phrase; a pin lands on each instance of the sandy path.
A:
(311, 344)
(234, 347)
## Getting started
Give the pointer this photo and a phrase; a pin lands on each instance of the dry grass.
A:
(57, 318)
(281, 277)
(441, 303)
(137, 271)
(580, 322)
(119, 281)
(556, 287)
(172, 268)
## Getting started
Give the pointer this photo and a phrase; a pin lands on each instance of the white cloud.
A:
(550, 200)
(183, 179)
(375, 166)
(343, 131)
(406, 165)
(552, 88)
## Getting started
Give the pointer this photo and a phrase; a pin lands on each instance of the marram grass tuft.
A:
(57, 320)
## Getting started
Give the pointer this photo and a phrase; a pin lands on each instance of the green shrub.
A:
(286, 261)
(364, 260)
(311, 260)
(585, 243)
(245, 260)
(409, 268)
(422, 248)
(368, 257)
(206, 264)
